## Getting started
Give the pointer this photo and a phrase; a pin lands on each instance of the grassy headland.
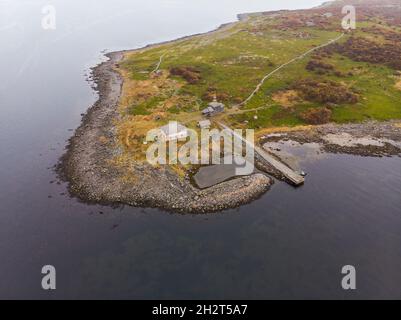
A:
(333, 84)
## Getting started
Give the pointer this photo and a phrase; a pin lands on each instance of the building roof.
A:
(173, 128)
(215, 104)
(208, 110)
(204, 123)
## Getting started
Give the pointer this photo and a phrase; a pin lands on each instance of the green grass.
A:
(146, 107)
(234, 62)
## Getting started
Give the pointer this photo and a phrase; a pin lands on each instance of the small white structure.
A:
(204, 124)
(173, 131)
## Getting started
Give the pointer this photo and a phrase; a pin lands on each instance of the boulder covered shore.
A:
(88, 164)
(369, 139)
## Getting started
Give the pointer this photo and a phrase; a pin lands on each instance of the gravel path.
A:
(284, 65)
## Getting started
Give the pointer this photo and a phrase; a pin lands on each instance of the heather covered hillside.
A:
(306, 68)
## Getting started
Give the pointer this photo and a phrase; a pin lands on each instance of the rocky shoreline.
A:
(88, 165)
(369, 139)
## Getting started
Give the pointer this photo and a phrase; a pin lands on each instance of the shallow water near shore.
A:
(291, 243)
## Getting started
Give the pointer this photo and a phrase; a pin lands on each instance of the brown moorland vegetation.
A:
(387, 34)
(325, 91)
(190, 74)
(317, 116)
(363, 50)
(319, 66)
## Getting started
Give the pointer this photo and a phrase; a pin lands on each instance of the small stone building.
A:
(213, 108)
